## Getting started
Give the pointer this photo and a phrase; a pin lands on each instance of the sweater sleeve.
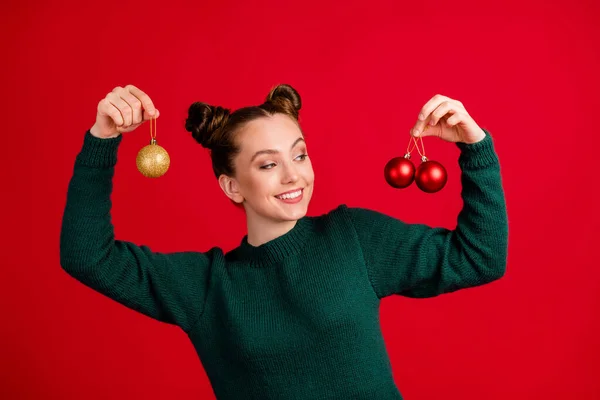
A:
(169, 287)
(416, 260)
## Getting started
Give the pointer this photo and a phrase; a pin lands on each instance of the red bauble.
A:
(431, 176)
(399, 172)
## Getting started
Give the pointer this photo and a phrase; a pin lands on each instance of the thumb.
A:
(425, 131)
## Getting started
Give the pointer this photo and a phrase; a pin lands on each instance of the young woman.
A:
(293, 311)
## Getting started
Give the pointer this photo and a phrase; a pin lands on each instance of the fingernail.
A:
(416, 132)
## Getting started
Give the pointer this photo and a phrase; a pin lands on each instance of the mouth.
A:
(291, 196)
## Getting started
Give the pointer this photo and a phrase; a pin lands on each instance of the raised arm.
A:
(416, 260)
(167, 287)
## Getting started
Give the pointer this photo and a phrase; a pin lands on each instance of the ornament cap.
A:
(152, 141)
(423, 158)
(407, 156)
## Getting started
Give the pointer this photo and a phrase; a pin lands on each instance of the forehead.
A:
(277, 132)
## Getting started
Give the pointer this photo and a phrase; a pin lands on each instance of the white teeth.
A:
(290, 195)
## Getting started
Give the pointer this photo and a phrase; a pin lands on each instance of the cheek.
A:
(261, 184)
(309, 173)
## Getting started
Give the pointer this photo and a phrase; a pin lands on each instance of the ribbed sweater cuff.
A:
(480, 154)
(100, 153)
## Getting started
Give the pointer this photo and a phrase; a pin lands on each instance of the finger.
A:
(107, 108)
(148, 117)
(430, 117)
(424, 115)
(144, 98)
(135, 104)
(456, 118)
(442, 110)
(122, 106)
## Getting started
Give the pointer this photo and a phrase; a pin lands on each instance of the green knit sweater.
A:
(297, 317)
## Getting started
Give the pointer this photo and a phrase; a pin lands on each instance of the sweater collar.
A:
(276, 249)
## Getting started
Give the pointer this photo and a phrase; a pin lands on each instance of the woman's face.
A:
(273, 161)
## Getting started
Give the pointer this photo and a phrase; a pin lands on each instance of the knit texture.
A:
(297, 317)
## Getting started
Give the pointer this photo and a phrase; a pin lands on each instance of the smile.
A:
(291, 196)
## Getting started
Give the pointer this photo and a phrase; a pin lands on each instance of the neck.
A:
(261, 230)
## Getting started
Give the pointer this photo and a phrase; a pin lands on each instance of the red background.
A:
(526, 71)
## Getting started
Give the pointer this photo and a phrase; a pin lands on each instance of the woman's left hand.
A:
(447, 119)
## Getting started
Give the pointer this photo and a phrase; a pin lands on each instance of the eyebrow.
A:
(273, 151)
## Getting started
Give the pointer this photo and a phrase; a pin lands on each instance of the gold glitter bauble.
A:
(153, 160)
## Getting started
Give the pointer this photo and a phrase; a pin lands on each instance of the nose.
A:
(290, 174)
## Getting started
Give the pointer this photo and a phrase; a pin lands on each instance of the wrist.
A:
(95, 131)
(476, 139)
(477, 155)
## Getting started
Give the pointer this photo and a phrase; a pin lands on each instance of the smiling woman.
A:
(293, 311)
(259, 155)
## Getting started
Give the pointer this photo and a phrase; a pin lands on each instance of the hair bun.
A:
(286, 99)
(204, 121)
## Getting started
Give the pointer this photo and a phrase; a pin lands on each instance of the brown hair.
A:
(215, 127)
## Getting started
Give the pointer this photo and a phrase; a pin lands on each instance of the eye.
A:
(268, 166)
(303, 156)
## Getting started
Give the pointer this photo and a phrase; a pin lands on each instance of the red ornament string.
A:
(413, 141)
(153, 130)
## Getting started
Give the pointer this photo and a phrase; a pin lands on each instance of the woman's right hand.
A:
(122, 110)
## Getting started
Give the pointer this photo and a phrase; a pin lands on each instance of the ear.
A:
(231, 188)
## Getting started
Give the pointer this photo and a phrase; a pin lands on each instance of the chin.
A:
(296, 214)
(293, 212)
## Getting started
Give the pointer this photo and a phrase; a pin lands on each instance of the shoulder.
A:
(344, 214)
(352, 213)
(195, 258)
(337, 212)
